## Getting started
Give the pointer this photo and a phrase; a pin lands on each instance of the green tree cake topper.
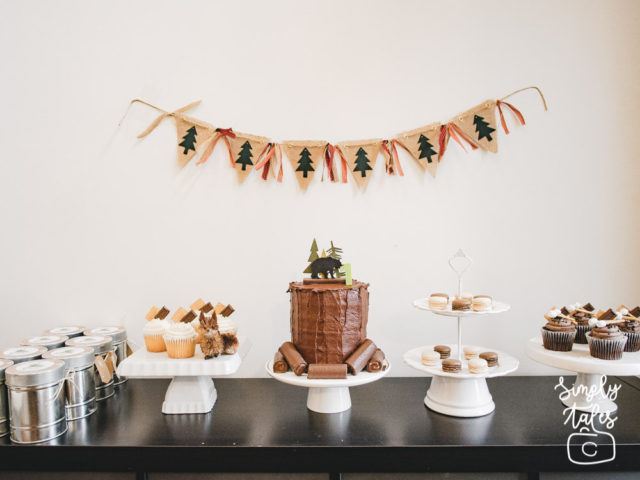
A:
(336, 252)
(313, 256)
(189, 140)
(244, 157)
(483, 128)
(426, 149)
(362, 162)
(305, 163)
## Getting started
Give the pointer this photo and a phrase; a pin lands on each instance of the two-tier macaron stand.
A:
(461, 394)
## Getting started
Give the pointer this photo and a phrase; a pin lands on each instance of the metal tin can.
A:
(4, 414)
(47, 341)
(80, 386)
(119, 337)
(70, 331)
(102, 347)
(22, 354)
(36, 400)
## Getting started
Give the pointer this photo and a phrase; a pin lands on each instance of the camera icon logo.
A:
(590, 448)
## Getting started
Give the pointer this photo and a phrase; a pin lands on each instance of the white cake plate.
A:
(191, 390)
(462, 394)
(590, 370)
(327, 395)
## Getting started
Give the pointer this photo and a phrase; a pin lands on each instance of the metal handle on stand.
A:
(460, 263)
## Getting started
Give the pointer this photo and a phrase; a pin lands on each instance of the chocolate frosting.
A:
(610, 331)
(328, 321)
(630, 326)
(559, 325)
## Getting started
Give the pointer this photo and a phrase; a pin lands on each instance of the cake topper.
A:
(324, 266)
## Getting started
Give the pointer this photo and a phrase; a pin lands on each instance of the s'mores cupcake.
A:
(180, 339)
(559, 332)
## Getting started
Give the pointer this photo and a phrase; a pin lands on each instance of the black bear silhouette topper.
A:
(326, 266)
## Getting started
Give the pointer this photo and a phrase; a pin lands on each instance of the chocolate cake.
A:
(328, 321)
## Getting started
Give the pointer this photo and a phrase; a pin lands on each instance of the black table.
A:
(260, 425)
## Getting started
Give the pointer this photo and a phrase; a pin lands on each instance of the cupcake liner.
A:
(558, 341)
(581, 331)
(155, 343)
(180, 347)
(606, 348)
(633, 342)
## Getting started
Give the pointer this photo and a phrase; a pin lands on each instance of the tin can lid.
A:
(99, 343)
(34, 373)
(68, 330)
(47, 341)
(118, 334)
(4, 364)
(73, 357)
(23, 353)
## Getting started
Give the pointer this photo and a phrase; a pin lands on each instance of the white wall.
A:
(98, 225)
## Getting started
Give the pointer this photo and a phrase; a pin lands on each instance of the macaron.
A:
(462, 304)
(443, 350)
(451, 365)
(478, 365)
(471, 352)
(482, 303)
(490, 357)
(438, 301)
(430, 358)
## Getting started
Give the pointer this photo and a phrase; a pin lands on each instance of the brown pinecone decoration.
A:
(212, 343)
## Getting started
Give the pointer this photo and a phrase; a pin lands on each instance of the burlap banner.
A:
(306, 158)
(245, 151)
(475, 128)
(361, 157)
(479, 124)
(423, 145)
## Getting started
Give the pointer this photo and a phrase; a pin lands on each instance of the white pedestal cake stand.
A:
(460, 394)
(327, 395)
(587, 393)
(192, 389)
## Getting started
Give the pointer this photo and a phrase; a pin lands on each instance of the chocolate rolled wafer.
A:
(327, 370)
(279, 363)
(293, 358)
(376, 363)
(361, 356)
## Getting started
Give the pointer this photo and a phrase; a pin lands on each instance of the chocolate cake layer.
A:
(328, 321)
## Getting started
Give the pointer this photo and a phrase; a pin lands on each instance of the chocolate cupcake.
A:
(582, 320)
(558, 334)
(631, 330)
(606, 342)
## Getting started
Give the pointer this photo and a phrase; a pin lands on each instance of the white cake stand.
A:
(590, 370)
(327, 395)
(191, 390)
(462, 394)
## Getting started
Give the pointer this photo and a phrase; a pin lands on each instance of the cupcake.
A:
(153, 333)
(180, 339)
(631, 330)
(228, 329)
(559, 333)
(582, 318)
(606, 341)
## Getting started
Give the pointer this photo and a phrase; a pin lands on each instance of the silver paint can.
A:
(36, 400)
(22, 354)
(119, 337)
(4, 413)
(47, 341)
(80, 387)
(70, 331)
(103, 352)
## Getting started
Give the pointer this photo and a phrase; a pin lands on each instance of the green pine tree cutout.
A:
(362, 162)
(305, 163)
(483, 128)
(189, 140)
(313, 256)
(426, 149)
(244, 157)
(336, 253)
